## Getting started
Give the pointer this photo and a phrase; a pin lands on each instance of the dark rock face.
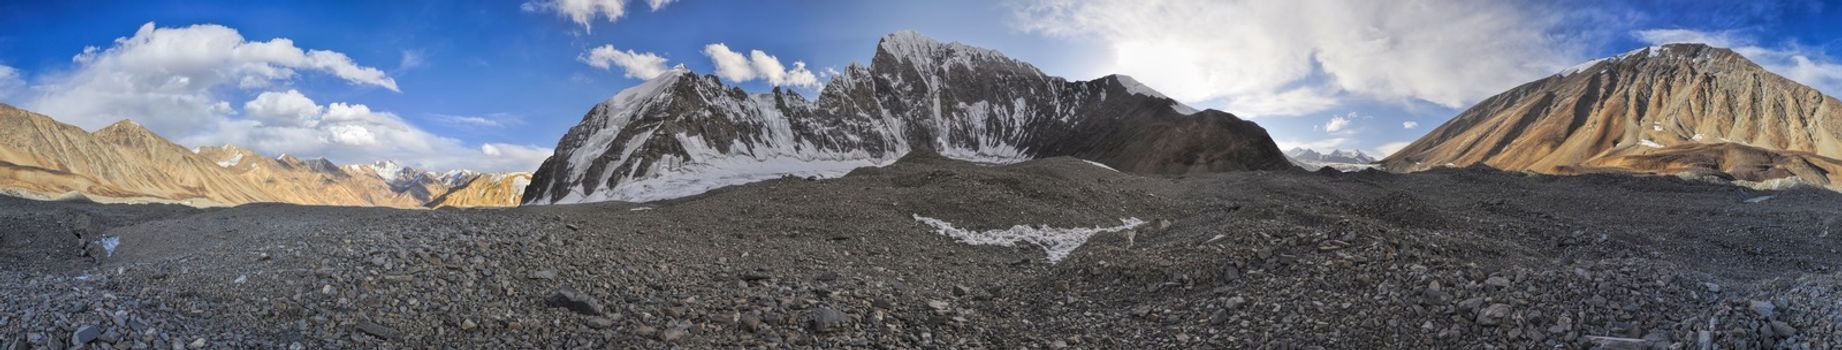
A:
(681, 134)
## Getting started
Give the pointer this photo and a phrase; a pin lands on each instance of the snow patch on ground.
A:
(108, 245)
(1102, 166)
(1057, 242)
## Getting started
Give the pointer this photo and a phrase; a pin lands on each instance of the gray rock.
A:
(377, 330)
(1783, 330)
(544, 275)
(1762, 308)
(827, 276)
(1497, 281)
(84, 335)
(673, 334)
(569, 298)
(1493, 314)
(826, 320)
(600, 322)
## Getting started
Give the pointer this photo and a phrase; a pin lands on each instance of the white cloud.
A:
(412, 59)
(168, 78)
(584, 12)
(10, 82)
(1388, 149)
(735, 67)
(1338, 123)
(284, 109)
(638, 65)
(1804, 65)
(1290, 58)
(490, 120)
(1409, 124)
(291, 123)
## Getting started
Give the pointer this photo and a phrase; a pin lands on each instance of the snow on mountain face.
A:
(681, 134)
(1335, 156)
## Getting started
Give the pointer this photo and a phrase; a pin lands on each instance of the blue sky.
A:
(493, 85)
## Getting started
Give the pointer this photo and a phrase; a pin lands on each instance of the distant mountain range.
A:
(681, 134)
(1342, 160)
(1680, 109)
(43, 159)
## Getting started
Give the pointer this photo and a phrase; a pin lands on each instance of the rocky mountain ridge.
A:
(124, 162)
(1679, 109)
(681, 134)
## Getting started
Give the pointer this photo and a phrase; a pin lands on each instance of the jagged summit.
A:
(681, 134)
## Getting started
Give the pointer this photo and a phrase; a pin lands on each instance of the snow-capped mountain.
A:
(1341, 160)
(1335, 156)
(681, 134)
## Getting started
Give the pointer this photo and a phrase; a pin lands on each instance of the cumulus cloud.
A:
(638, 65)
(288, 122)
(735, 67)
(289, 108)
(170, 80)
(1804, 65)
(167, 78)
(584, 12)
(1290, 58)
(1409, 124)
(1338, 124)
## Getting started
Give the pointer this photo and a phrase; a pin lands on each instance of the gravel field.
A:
(1453, 258)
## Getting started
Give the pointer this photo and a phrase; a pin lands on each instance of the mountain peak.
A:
(1693, 54)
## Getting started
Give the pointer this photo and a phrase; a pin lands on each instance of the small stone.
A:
(326, 289)
(1497, 281)
(1058, 344)
(197, 343)
(960, 291)
(755, 276)
(468, 325)
(84, 335)
(672, 335)
(1712, 288)
(572, 227)
(825, 320)
(600, 322)
(938, 305)
(827, 276)
(1235, 302)
(1762, 308)
(573, 300)
(544, 275)
(749, 322)
(377, 330)
(1493, 314)
(1783, 330)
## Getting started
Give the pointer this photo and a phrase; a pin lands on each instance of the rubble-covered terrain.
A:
(1456, 258)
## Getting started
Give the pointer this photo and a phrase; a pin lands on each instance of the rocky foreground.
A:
(1462, 259)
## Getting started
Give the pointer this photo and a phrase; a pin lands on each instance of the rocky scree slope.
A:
(1448, 258)
(1678, 108)
(681, 133)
